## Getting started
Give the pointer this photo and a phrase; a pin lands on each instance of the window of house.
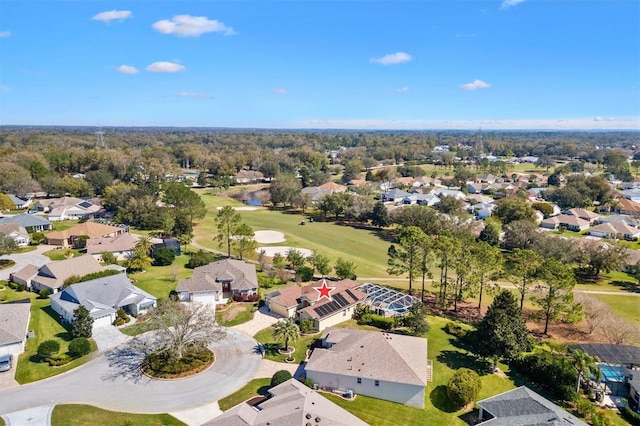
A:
(377, 383)
(359, 380)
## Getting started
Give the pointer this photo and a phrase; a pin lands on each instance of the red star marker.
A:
(324, 291)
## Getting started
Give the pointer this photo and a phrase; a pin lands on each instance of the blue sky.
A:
(532, 64)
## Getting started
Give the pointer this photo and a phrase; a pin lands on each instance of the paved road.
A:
(34, 257)
(112, 381)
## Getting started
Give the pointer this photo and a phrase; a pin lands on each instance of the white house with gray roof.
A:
(102, 297)
(360, 361)
(30, 222)
(522, 406)
(214, 283)
(289, 403)
(14, 323)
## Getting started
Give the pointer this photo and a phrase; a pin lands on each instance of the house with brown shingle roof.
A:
(627, 207)
(214, 283)
(618, 230)
(568, 221)
(304, 302)
(585, 214)
(14, 323)
(69, 237)
(53, 275)
(121, 246)
(18, 233)
(381, 365)
(332, 187)
(289, 403)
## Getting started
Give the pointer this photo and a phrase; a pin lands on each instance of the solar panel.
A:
(353, 296)
(341, 300)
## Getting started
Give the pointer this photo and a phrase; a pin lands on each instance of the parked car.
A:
(5, 363)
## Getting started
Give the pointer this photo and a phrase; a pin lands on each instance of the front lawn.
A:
(61, 254)
(255, 387)
(271, 347)
(159, 280)
(45, 326)
(81, 415)
(137, 328)
(235, 313)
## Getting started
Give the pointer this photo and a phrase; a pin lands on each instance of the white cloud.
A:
(402, 89)
(163, 66)
(508, 3)
(127, 69)
(191, 95)
(392, 58)
(191, 26)
(111, 15)
(279, 90)
(620, 123)
(5, 34)
(475, 84)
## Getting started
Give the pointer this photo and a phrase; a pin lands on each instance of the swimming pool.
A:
(612, 373)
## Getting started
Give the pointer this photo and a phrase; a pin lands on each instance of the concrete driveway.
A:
(34, 257)
(113, 381)
(262, 319)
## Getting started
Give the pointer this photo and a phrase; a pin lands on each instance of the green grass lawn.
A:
(25, 249)
(137, 328)
(61, 254)
(241, 313)
(81, 415)
(627, 307)
(6, 263)
(364, 247)
(158, 280)
(45, 326)
(271, 347)
(255, 387)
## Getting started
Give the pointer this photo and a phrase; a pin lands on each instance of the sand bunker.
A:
(241, 209)
(269, 237)
(271, 251)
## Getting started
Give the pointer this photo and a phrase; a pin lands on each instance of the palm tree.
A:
(144, 245)
(286, 330)
(138, 261)
(585, 365)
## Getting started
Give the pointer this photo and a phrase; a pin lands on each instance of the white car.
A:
(5, 363)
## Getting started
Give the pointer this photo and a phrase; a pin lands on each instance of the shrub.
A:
(79, 347)
(280, 376)
(21, 287)
(306, 325)
(48, 348)
(161, 364)
(109, 258)
(37, 238)
(58, 360)
(553, 373)
(164, 256)
(463, 387)
(631, 416)
(201, 258)
(44, 293)
(305, 273)
(454, 329)
(308, 383)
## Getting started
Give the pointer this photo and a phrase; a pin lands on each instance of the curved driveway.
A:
(34, 257)
(112, 381)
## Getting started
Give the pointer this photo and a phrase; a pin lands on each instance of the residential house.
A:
(482, 210)
(404, 181)
(450, 193)
(102, 297)
(584, 214)
(249, 176)
(387, 366)
(488, 178)
(171, 243)
(425, 181)
(429, 200)
(30, 222)
(214, 283)
(522, 406)
(535, 193)
(394, 196)
(20, 203)
(49, 204)
(69, 237)
(16, 232)
(305, 302)
(24, 275)
(627, 207)
(53, 275)
(289, 403)
(121, 246)
(632, 194)
(623, 218)
(567, 221)
(615, 230)
(14, 323)
(355, 183)
(83, 210)
(332, 188)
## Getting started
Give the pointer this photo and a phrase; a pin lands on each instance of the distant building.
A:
(30, 222)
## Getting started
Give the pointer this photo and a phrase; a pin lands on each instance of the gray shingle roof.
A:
(369, 354)
(14, 322)
(102, 295)
(54, 274)
(26, 220)
(524, 407)
(208, 277)
(291, 404)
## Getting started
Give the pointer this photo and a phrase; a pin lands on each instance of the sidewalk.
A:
(38, 416)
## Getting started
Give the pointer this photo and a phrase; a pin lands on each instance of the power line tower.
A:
(100, 135)
(479, 144)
